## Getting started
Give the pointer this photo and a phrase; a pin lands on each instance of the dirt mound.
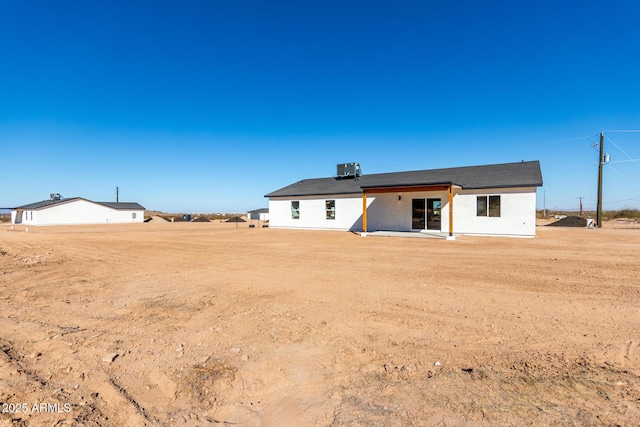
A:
(570, 221)
(201, 219)
(156, 220)
(235, 219)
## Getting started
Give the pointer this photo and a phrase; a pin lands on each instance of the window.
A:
(295, 210)
(494, 206)
(488, 206)
(481, 206)
(331, 209)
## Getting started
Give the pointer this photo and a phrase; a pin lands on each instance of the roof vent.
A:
(55, 196)
(348, 170)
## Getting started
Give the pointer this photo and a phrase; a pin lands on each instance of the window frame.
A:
(295, 209)
(330, 209)
(489, 206)
(494, 209)
(482, 207)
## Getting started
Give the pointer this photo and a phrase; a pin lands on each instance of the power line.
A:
(603, 159)
(623, 152)
(617, 171)
(620, 201)
(625, 187)
(629, 181)
(624, 161)
(574, 139)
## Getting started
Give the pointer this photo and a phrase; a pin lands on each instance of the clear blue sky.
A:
(207, 106)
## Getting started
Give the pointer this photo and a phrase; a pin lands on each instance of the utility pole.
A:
(580, 205)
(117, 196)
(600, 164)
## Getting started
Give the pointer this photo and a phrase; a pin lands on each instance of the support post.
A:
(600, 162)
(451, 210)
(364, 212)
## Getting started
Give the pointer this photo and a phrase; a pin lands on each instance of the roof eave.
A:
(417, 184)
(328, 193)
(31, 207)
(482, 187)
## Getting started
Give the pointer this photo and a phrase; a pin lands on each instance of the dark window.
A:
(488, 206)
(494, 206)
(295, 210)
(481, 206)
(330, 209)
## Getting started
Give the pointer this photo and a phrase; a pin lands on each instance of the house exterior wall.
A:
(27, 217)
(348, 210)
(393, 212)
(517, 213)
(258, 216)
(78, 212)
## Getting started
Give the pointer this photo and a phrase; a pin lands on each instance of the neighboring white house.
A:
(259, 214)
(77, 211)
(481, 200)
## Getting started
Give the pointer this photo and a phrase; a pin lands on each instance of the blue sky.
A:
(207, 106)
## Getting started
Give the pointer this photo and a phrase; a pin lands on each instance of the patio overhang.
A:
(406, 189)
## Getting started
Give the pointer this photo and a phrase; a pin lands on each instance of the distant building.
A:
(480, 200)
(258, 214)
(75, 211)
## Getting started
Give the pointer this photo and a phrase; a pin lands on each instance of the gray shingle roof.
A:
(38, 205)
(259, 211)
(506, 175)
(122, 205)
(48, 203)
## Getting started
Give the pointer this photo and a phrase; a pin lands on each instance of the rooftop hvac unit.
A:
(55, 196)
(348, 170)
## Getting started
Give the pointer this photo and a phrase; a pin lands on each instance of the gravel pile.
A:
(570, 221)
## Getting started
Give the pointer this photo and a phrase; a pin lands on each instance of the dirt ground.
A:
(205, 324)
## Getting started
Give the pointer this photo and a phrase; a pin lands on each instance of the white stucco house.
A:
(261, 214)
(75, 211)
(496, 200)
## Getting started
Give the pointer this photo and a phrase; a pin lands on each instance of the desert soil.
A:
(205, 324)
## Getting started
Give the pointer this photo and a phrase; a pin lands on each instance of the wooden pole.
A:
(364, 212)
(600, 161)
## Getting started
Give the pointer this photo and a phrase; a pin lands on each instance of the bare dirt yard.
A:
(206, 324)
